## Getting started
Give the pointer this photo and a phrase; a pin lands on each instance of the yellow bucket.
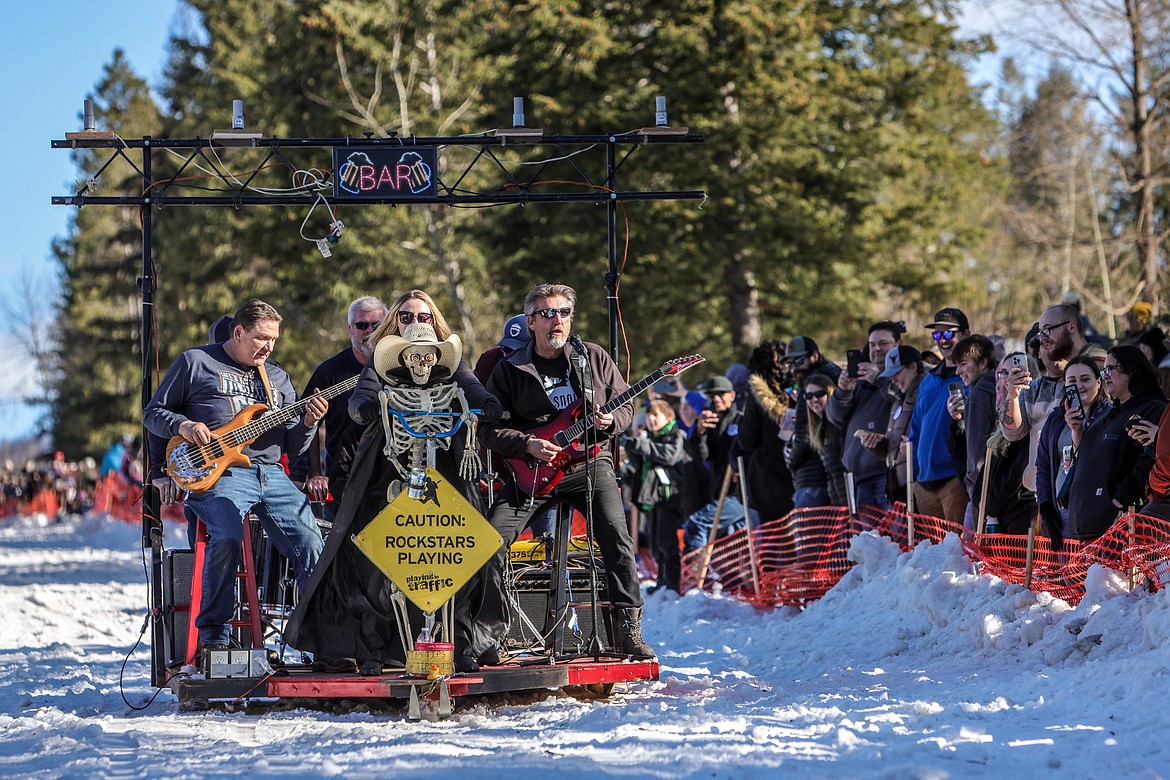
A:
(425, 655)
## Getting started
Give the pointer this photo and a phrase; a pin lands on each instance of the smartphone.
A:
(853, 363)
(1073, 399)
(1019, 361)
(955, 389)
(1133, 420)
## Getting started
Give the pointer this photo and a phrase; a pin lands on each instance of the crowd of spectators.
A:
(1062, 431)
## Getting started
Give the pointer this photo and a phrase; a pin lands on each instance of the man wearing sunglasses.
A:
(535, 384)
(324, 467)
(938, 487)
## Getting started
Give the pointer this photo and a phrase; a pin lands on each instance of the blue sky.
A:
(52, 56)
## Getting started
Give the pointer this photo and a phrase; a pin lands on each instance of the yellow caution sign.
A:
(430, 546)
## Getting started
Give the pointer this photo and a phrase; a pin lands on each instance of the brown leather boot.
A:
(627, 631)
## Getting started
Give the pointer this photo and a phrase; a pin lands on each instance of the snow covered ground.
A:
(912, 667)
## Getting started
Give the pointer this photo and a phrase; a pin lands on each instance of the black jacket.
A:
(769, 484)
(1110, 466)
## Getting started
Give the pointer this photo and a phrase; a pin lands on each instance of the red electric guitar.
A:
(537, 478)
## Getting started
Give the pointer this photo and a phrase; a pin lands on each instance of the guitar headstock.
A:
(678, 365)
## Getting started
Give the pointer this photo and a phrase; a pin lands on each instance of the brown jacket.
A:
(517, 384)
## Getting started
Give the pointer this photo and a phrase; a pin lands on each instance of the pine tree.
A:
(95, 377)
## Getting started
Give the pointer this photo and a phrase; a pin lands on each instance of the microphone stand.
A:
(591, 436)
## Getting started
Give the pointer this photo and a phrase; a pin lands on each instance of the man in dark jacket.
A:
(537, 384)
(324, 468)
(715, 431)
(862, 405)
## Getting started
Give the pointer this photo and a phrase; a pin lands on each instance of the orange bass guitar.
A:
(196, 468)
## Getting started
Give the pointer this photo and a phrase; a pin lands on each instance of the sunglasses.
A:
(407, 317)
(939, 335)
(367, 325)
(814, 394)
(565, 313)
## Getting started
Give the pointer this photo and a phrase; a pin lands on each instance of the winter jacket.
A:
(713, 447)
(803, 462)
(1110, 467)
(890, 447)
(660, 460)
(517, 384)
(864, 408)
(979, 421)
(1054, 437)
(930, 429)
(769, 485)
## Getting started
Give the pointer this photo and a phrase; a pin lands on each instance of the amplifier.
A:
(178, 568)
(532, 598)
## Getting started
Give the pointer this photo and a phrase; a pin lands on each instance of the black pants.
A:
(510, 515)
(665, 518)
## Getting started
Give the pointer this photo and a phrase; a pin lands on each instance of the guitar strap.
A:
(584, 378)
(267, 386)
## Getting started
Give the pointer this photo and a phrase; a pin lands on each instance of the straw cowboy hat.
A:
(391, 366)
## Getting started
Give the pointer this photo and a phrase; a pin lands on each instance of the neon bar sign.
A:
(384, 171)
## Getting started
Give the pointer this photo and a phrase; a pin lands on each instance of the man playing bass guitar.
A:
(204, 390)
(535, 384)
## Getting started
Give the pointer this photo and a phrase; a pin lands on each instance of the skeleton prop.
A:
(420, 401)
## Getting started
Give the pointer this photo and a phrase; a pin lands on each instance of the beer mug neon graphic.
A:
(360, 175)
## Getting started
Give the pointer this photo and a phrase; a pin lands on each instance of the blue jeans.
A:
(871, 491)
(806, 497)
(285, 515)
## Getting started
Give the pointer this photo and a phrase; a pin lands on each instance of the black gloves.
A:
(1050, 518)
(491, 413)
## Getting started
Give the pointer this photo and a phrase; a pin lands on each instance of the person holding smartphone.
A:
(938, 488)
(1112, 467)
(861, 409)
(1083, 404)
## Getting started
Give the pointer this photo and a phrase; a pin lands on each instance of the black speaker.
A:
(532, 599)
(178, 568)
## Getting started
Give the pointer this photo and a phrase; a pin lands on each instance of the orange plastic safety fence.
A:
(799, 557)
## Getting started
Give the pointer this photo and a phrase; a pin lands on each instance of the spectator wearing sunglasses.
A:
(824, 439)
(810, 481)
(324, 468)
(536, 383)
(938, 488)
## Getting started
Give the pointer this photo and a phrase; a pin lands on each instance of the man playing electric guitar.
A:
(205, 388)
(535, 384)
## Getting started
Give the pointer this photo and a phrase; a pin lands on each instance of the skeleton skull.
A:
(420, 360)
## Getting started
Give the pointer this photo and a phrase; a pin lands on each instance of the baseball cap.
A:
(900, 357)
(950, 317)
(718, 384)
(516, 333)
(799, 347)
